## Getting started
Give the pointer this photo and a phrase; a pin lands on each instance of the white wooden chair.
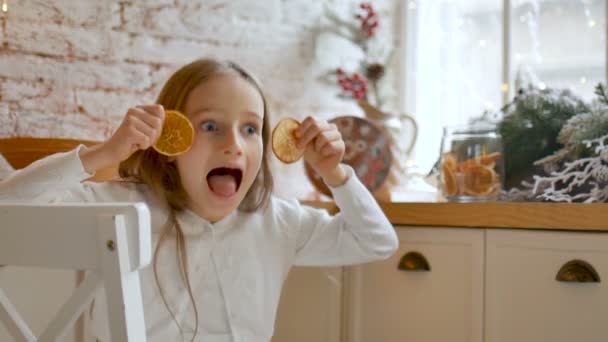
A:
(110, 241)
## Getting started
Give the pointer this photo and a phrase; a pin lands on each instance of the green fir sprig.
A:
(600, 91)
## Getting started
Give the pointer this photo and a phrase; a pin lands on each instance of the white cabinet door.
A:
(444, 304)
(311, 305)
(525, 302)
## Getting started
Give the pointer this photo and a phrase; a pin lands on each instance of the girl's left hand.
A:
(324, 149)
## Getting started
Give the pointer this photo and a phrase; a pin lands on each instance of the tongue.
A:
(223, 185)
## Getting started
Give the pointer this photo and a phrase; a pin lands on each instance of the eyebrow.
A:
(254, 114)
(201, 111)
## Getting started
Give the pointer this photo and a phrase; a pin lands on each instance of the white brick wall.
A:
(71, 68)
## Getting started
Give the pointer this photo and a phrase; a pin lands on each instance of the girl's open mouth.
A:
(224, 181)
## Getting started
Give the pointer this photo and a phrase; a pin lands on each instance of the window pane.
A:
(559, 44)
(455, 65)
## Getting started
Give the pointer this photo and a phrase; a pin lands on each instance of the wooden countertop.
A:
(560, 216)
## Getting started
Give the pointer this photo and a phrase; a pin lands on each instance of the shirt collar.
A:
(193, 224)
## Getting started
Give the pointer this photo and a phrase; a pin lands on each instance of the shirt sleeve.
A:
(359, 233)
(56, 178)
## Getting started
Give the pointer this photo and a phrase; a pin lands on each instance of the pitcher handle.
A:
(412, 142)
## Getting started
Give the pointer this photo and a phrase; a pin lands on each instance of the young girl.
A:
(223, 244)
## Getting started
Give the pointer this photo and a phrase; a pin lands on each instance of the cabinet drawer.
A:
(525, 302)
(444, 304)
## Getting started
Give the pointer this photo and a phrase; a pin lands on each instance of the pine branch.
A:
(600, 91)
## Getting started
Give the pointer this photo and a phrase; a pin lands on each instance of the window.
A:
(462, 57)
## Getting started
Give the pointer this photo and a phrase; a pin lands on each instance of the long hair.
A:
(161, 174)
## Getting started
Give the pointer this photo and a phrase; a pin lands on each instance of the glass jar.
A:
(471, 164)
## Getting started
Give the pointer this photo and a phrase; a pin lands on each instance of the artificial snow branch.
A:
(585, 179)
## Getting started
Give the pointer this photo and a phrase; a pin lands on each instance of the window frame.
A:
(407, 62)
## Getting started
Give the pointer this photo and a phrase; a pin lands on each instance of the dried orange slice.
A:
(177, 135)
(448, 180)
(450, 161)
(487, 160)
(479, 180)
(284, 141)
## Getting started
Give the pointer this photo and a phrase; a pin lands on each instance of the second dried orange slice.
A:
(486, 160)
(177, 135)
(450, 161)
(284, 141)
(449, 181)
(479, 180)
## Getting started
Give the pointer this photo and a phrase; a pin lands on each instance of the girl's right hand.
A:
(140, 128)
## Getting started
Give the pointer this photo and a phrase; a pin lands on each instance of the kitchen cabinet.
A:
(483, 284)
(311, 306)
(526, 302)
(400, 300)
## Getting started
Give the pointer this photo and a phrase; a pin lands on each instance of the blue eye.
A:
(208, 126)
(251, 129)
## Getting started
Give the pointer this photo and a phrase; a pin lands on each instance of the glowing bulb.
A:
(504, 88)
(591, 23)
(4, 6)
(583, 80)
(482, 43)
(412, 5)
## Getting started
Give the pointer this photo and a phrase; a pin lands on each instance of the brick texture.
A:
(72, 68)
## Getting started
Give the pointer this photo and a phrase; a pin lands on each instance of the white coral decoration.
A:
(591, 171)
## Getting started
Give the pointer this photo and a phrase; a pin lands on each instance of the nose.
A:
(232, 143)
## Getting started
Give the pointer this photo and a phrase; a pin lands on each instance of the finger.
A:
(154, 109)
(335, 147)
(326, 137)
(139, 139)
(134, 121)
(153, 121)
(304, 126)
(311, 133)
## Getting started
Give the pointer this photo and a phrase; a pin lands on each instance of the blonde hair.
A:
(161, 174)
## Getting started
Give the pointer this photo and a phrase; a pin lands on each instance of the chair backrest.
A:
(110, 241)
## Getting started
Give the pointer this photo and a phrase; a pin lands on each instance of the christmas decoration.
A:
(357, 54)
(557, 146)
(530, 126)
(584, 179)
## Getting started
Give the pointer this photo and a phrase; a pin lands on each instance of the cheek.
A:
(190, 168)
(255, 156)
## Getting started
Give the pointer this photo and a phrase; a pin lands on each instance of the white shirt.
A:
(237, 266)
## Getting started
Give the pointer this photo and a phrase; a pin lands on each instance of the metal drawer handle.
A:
(414, 261)
(577, 271)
